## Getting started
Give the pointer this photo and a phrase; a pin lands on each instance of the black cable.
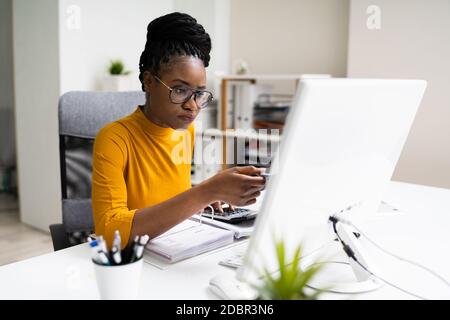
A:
(389, 283)
(348, 250)
(401, 258)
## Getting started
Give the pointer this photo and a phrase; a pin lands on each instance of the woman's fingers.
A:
(251, 201)
(237, 186)
(251, 175)
(249, 170)
(255, 195)
(217, 206)
(229, 207)
(251, 191)
(250, 198)
(257, 181)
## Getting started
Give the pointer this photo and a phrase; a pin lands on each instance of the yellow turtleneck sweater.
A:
(136, 164)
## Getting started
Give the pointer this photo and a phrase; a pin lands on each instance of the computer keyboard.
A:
(235, 216)
(235, 260)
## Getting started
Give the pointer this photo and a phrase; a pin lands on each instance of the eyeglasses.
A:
(180, 94)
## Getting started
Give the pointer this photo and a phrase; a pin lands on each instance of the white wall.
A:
(36, 71)
(62, 45)
(214, 15)
(290, 36)
(108, 29)
(413, 42)
(111, 29)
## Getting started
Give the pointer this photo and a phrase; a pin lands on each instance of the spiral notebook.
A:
(188, 239)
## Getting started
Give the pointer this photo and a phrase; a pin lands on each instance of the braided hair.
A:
(174, 34)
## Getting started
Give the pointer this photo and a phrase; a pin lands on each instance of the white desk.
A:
(421, 235)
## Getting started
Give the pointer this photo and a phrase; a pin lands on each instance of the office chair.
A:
(81, 114)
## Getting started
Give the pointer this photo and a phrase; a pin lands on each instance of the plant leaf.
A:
(290, 282)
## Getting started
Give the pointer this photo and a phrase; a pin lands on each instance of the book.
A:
(240, 230)
(245, 96)
(188, 239)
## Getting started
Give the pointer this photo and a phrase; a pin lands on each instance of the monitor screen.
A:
(341, 143)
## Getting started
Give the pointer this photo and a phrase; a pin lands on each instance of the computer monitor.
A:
(341, 143)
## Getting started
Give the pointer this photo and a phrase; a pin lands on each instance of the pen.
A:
(133, 250)
(98, 255)
(142, 242)
(94, 251)
(115, 249)
(117, 240)
(117, 257)
(102, 244)
(103, 258)
(136, 244)
(139, 245)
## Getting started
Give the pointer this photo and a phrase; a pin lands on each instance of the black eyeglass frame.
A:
(194, 93)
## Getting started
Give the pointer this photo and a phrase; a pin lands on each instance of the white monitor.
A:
(341, 143)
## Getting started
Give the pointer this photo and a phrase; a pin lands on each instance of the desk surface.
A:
(419, 234)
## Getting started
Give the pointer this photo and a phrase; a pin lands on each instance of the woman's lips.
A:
(187, 118)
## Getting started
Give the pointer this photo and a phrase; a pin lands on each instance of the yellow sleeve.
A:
(109, 190)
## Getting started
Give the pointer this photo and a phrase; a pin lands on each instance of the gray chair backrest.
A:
(81, 115)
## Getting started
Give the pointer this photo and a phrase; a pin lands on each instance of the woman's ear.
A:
(148, 80)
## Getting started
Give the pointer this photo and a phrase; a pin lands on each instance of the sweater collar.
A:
(149, 126)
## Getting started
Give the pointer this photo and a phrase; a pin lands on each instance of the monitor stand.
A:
(364, 281)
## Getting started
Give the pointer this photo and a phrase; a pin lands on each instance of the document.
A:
(240, 230)
(188, 239)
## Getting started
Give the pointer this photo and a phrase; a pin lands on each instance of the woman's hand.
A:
(238, 186)
(218, 206)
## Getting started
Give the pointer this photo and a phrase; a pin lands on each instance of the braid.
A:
(175, 34)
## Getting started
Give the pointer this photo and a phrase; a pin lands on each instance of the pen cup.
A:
(118, 282)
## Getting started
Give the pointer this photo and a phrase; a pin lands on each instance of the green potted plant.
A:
(118, 78)
(290, 282)
(116, 67)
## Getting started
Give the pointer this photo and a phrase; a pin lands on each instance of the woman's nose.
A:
(191, 104)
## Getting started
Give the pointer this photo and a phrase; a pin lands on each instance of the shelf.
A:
(252, 78)
(255, 77)
(231, 77)
(232, 133)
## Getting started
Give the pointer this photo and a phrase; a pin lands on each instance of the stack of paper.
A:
(188, 239)
(240, 229)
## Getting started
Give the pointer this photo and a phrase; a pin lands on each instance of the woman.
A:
(139, 186)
